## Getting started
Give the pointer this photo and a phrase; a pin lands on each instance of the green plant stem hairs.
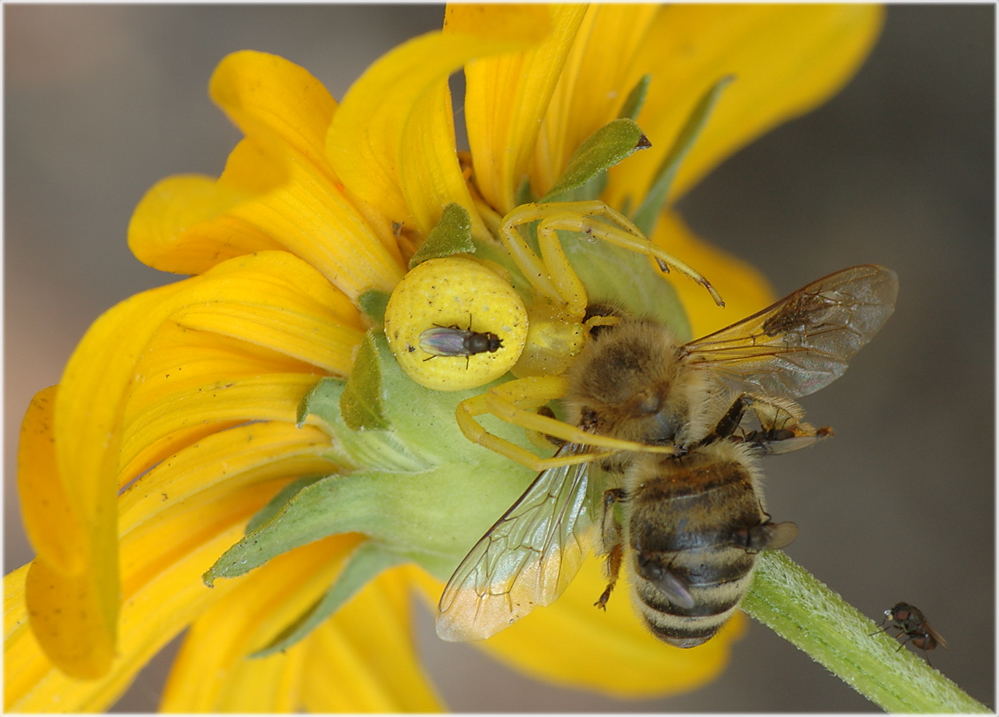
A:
(793, 603)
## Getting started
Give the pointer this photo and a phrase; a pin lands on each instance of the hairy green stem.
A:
(793, 603)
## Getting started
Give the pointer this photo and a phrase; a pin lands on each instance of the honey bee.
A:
(454, 341)
(686, 518)
(909, 620)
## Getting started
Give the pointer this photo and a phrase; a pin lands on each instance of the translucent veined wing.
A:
(445, 341)
(804, 341)
(526, 559)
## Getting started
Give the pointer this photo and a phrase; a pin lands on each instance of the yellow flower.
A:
(180, 415)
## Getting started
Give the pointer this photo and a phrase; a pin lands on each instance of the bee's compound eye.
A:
(455, 292)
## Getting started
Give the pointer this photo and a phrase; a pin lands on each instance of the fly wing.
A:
(526, 559)
(444, 341)
(804, 341)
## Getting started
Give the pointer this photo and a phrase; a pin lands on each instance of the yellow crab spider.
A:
(556, 330)
(517, 402)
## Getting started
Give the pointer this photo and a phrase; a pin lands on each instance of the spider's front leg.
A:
(598, 220)
(517, 402)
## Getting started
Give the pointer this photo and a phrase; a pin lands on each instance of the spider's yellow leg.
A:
(560, 271)
(533, 391)
(576, 217)
(506, 410)
(529, 264)
(516, 402)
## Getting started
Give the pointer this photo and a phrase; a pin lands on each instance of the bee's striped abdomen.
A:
(687, 532)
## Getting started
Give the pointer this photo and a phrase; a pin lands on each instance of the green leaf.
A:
(802, 610)
(601, 150)
(452, 235)
(361, 402)
(366, 562)
(648, 211)
(636, 98)
(373, 303)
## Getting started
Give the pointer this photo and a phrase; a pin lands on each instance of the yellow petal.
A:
(178, 419)
(269, 196)
(267, 599)
(598, 74)
(49, 520)
(163, 593)
(367, 647)
(183, 225)
(505, 100)
(743, 287)
(392, 139)
(266, 94)
(224, 461)
(429, 174)
(314, 219)
(268, 685)
(87, 428)
(786, 59)
(573, 643)
(188, 224)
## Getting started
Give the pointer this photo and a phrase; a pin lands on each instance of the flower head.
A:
(255, 415)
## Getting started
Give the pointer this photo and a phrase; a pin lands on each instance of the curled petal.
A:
(87, 425)
(266, 94)
(507, 97)
(402, 103)
(786, 59)
(178, 419)
(183, 225)
(162, 593)
(224, 462)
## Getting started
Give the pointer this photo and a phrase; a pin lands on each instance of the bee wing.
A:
(804, 341)
(526, 559)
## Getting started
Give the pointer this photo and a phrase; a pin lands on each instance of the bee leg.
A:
(611, 534)
(782, 427)
(770, 536)
(613, 568)
(729, 423)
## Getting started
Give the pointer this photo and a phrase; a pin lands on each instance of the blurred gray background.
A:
(102, 101)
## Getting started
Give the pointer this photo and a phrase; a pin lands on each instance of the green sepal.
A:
(363, 565)
(361, 402)
(452, 235)
(414, 474)
(373, 303)
(635, 100)
(380, 449)
(394, 509)
(322, 401)
(278, 502)
(523, 195)
(610, 144)
(648, 211)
